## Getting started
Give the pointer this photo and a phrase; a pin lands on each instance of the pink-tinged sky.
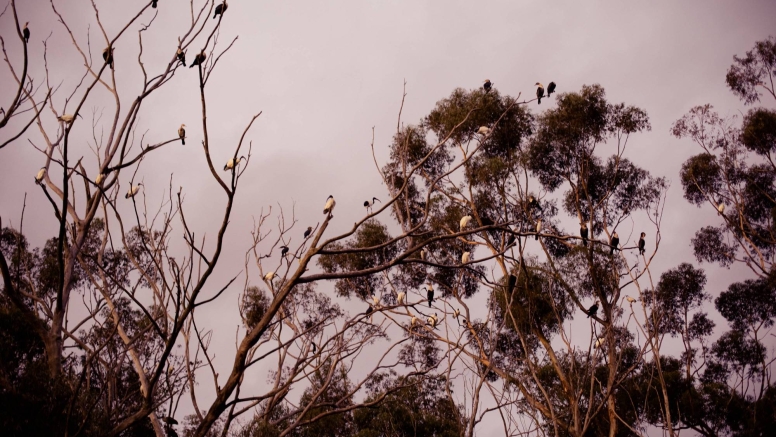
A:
(325, 72)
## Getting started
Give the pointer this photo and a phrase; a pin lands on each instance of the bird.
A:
(465, 257)
(550, 88)
(539, 92)
(181, 56)
(487, 85)
(153, 5)
(169, 420)
(583, 233)
(464, 221)
(511, 282)
(483, 130)
(538, 228)
(283, 251)
(182, 134)
(430, 294)
(413, 320)
(376, 300)
(329, 206)
(630, 299)
(400, 298)
(423, 254)
(308, 231)
(598, 343)
(269, 276)
(100, 177)
(67, 118)
(432, 320)
(39, 177)
(232, 163)
(642, 243)
(199, 59)
(592, 310)
(721, 207)
(107, 56)
(220, 9)
(26, 33)
(313, 347)
(368, 205)
(511, 240)
(457, 313)
(614, 242)
(533, 203)
(133, 190)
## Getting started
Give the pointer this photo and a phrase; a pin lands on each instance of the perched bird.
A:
(400, 298)
(39, 177)
(169, 420)
(283, 251)
(533, 203)
(26, 33)
(413, 320)
(592, 310)
(107, 56)
(615, 241)
(67, 118)
(630, 299)
(457, 313)
(329, 206)
(511, 240)
(376, 300)
(153, 5)
(100, 177)
(220, 9)
(133, 190)
(642, 243)
(465, 257)
(181, 56)
(269, 276)
(369, 311)
(538, 228)
(598, 343)
(232, 163)
(182, 134)
(511, 282)
(423, 254)
(430, 294)
(487, 85)
(432, 320)
(721, 207)
(199, 59)
(368, 205)
(583, 233)
(539, 92)
(483, 130)
(308, 231)
(464, 221)
(550, 89)
(313, 347)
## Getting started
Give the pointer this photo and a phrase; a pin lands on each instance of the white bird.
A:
(538, 228)
(232, 163)
(400, 298)
(483, 130)
(100, 177)
(182, 133)
(721, 208)
(67, 118)
(376, 300)
(413, 320)
(456, 313)
(368, 205)
(630, 299)
(423, 254)
(432, 320)
(465, 221)
(41, 174)
(133, 190)
(269, 276)
(598, 343)
(465, 257)
(329, 206)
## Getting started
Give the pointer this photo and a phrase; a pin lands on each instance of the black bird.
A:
(181, 56)
(430, 295)
(199, 59)
(308, 231)
(26, 33)
(487, 85)
(368, 205)
(642, 243)
(583, 233)
(550, 89)
(220, 9)
(511, 240)
(511, 284)
(533, 203)
(107, 56)
(313, 347)
(592, 310)
(283, 251)
(153, 3)
(614, 243)
(369, 310)
(539, 92)
(170, 420)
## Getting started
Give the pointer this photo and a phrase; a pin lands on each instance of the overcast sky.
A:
(325, 72)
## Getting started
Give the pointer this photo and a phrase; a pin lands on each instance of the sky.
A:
(325, 74)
